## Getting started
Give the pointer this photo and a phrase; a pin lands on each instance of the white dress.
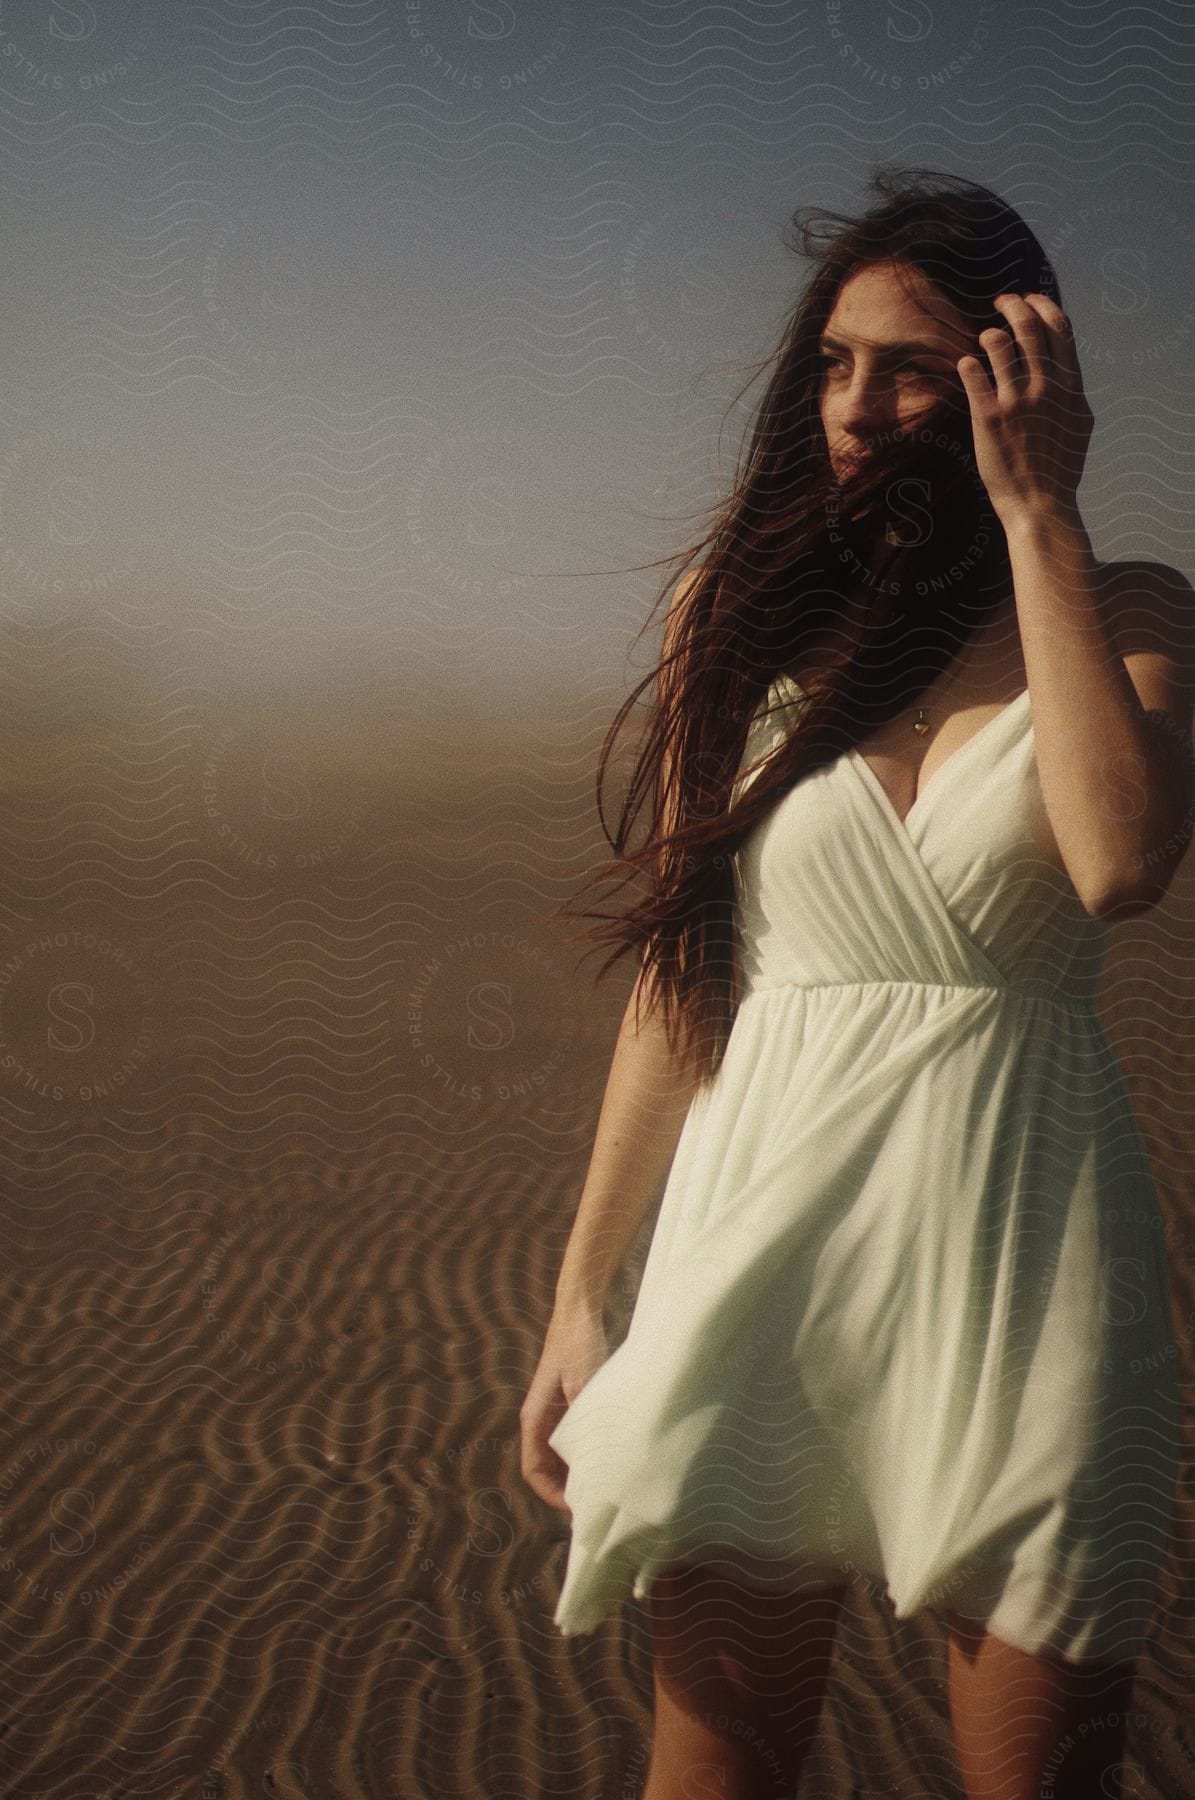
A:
(905, 1313)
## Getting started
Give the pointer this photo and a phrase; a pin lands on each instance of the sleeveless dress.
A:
(905, 1313)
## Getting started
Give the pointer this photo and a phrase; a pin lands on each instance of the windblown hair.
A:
(901, 562)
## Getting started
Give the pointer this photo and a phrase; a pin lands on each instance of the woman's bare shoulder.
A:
(1149, 605)
(1149, 609)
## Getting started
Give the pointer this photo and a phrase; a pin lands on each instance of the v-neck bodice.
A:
(1008, 715)
(969, 887)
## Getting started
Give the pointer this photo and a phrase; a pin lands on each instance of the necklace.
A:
(921, 724)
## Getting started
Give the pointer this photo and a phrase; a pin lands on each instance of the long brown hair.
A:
(791, 551)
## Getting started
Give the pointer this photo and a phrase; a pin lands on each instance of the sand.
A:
(291, 1151)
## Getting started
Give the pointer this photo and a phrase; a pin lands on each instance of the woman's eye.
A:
(835, 362)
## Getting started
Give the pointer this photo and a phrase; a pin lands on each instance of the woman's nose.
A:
(866, 398)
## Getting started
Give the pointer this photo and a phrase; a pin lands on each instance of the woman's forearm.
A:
(647, 1097)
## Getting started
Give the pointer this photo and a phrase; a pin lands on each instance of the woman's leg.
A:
(1027, 1726)
(739, 1674)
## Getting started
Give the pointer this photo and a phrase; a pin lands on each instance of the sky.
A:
(361, 348)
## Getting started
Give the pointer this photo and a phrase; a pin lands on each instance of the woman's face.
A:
(889, 354)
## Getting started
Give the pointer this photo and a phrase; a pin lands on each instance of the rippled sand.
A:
(299, 1081)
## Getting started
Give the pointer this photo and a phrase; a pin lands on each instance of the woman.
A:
(904, 1316)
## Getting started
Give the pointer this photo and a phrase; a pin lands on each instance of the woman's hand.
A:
(1033, 427)
(574, 1349)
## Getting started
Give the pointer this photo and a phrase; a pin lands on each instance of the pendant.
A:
(921, 723)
